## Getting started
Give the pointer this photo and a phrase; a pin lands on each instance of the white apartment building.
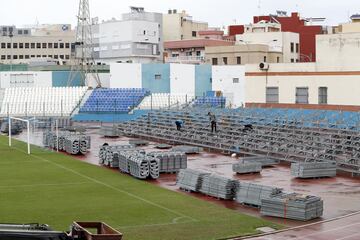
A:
(24, 45)
(181, 26)
(270, 34)
(136, 38)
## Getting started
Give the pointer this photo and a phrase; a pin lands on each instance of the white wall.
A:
(182, 79)
(338, 49)
(25, 79)
(104, 79)
(343, 83)
(125, 75)
(223, 80)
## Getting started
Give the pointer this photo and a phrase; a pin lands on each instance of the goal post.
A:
(28, 131)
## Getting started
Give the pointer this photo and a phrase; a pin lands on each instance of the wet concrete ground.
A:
(341, 195)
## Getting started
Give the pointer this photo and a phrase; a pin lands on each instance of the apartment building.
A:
(136, 38)
(181, 26)
(24, 45)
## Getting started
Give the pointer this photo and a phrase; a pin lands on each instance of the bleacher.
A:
(165, 100)
(285, 134)
(210, 101)
(117, 100)
(41, 101)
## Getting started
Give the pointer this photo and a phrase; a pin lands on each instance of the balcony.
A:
(186, 59)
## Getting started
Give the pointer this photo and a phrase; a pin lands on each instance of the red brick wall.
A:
(236, 29)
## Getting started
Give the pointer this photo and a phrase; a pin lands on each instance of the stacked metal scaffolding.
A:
(190, 180)
(313, 169)
(72, 143)
(245, 167)
(218, 186)
(288, 135)
(292, 206)
(109, 155)
(111, 131)
(263, 161)
(252, 194)
(170, 162)
(138, 164)
(187, 149)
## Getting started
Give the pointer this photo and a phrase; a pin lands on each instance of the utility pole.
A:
(84, 63)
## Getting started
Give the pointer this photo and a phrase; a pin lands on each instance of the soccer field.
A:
(55, 189)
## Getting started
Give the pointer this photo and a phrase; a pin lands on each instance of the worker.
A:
(179, 123)
(212, 118)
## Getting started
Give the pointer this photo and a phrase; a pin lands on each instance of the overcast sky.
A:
(218, 13)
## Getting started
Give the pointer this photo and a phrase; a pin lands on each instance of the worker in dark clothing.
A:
(179, 123)
(212, 119)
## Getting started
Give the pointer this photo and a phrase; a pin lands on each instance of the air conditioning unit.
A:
(264, 66)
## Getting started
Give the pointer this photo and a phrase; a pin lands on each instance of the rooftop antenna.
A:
(83, 52)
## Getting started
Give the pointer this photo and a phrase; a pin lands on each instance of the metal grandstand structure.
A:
(84, 65)
(293, 136)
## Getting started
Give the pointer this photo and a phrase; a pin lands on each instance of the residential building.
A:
(45, 42)
(241, 54)
(351, 27)
(296, 24)
(191, 51)
(288, 43)
(136, 38)
(181, 26)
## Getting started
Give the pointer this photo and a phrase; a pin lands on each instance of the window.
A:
(3, 45)
(157, 76)
(302, 95)
(238, 60)
(15, 57)
(8, 57)
(297, 48)
(3, 57)
(144, 32)
(21, 56)
(292, 47)
(265, 59)
(322, 95)
(225, 61)
(26, 32)
(56, 45)
(15, 45)
(38, 45)
(198, 53)
(50, 56)
(44, 56)
(193, 33)
(235, 80)
(21, 45)
(8, 45)
(67, 57)
(27, 45)
(56, 56)
(32, 45)
(292, 60)
(44, 45)
(272, 95)
(27, 56)
(32, 56)
(67, 45)
(20, 32)
(50, 45)
(61, 56)
(214, 61)
(278, 59)
(61, 45)
(38, 56)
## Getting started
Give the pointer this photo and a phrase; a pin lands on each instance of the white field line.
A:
(109, 186)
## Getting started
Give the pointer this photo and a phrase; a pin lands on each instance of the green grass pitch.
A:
(55, 189)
